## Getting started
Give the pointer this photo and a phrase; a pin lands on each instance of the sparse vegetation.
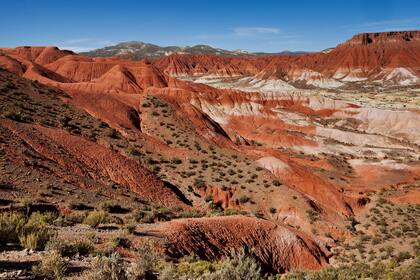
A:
(244, 199)
(66, 248)
(95, 218)
(276, 183)
(52, 266)
(105, 268)
(313, 216)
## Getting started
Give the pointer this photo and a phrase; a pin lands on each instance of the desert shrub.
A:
(376, 240)
(105, 268)
(42, 218)
(358, 271)
(18, 116)
(244, 198)
(239, 267)
(113, 134)
(353, 223)
(138, 214)
(199, 269)
(272, 210)
(231, 211)
(82, 247)
(176, 161)
(148, 218)
(122, 241)
(313, 216)
(403, 256)
(77, 205)
(276, 183)
(191, 214)
(36, 240)
(52, 266)
(147, 262)
(258, 213)
(199, 183)
(151, 161)
(112, 207)
(381, 201)
(163, 214)
(134, 152)
(231, 172)
(95, 218)
(236, 267)
(35, 233)
(130, 228)
(65, 121)
(74, 217)
(10, 226)
(6, 186)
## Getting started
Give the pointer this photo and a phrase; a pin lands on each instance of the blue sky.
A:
(269, 26)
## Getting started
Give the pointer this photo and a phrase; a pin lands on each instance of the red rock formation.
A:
(365, 56)
(276, 129)
(278, 248)
(88, 160)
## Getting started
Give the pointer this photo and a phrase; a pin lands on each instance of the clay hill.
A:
(369, 58)
(313, 157)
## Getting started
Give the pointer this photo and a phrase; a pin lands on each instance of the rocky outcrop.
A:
(276, 247)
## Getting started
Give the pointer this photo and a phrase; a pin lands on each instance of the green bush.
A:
(148, 218)
(176, 161)
(36, 233)
(33, 233)
(358, 271)
(52, 266)
(199, 269)
(199, 183)
(35, 239)
(113, 133)
(191, 214)
(122, 241)
(276, 183)
(236, 267)
(74, 217)
(11, 225)
(313, 216)
(106, 268)
(18, 116)
(112, 207)
(147, 262)
(403, 256)
(244, 199)
(82, 247)
(134, 152)
(95, 218)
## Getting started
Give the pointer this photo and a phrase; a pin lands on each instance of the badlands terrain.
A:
(204, 166)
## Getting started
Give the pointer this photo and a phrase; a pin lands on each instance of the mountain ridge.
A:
(142, 50)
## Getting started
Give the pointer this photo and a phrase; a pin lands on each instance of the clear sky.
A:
(269, 26)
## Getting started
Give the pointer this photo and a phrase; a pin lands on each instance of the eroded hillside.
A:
(299, 166)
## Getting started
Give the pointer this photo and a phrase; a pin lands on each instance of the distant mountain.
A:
(140, 50)
(291, 53)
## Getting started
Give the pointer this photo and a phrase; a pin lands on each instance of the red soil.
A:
(277, 247)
